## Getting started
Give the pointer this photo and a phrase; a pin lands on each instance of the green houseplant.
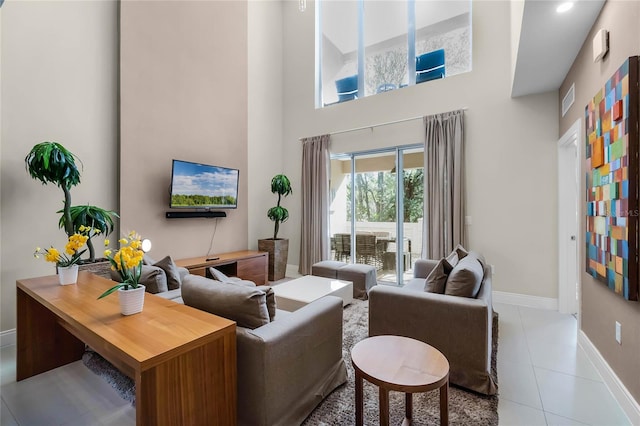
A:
(278, 248)
(50, 162)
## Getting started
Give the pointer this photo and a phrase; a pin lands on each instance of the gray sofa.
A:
(287, 361)
(459, 327)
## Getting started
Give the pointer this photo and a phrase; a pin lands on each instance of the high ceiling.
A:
(550, 42)
(548, 45)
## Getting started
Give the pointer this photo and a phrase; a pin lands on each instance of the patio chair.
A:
(430, 66)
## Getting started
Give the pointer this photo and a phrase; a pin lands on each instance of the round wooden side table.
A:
(400, 364)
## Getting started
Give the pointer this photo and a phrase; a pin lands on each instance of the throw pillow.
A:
(456, 255)
(218, 275)
(171, 270)
(244, 305)
(152, 277)
(271, 300)
(437, 278)
(466, 278)
(461, 251)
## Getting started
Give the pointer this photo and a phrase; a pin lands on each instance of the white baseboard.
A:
(7, 338)
(538, 302)
(629, 405)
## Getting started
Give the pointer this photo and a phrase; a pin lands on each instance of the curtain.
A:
(314, 233)
(444, 194)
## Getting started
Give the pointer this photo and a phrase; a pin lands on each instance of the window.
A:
(369, 47)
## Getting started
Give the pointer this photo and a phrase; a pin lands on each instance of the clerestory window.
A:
(366, 47)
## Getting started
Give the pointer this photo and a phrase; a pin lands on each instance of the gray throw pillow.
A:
(171, 270)
(456, 255)
(245, 305)
(271, 300)
(218, 275)
(466, 278)
(437, 278)
(152, 277)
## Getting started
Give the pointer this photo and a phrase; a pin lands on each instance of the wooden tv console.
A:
(246, 264)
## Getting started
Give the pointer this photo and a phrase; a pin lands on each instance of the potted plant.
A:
(128, 263)
(50, 162)
(67, 261)
(278, 248)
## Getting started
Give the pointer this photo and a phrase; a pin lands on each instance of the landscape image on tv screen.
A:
(196, 185)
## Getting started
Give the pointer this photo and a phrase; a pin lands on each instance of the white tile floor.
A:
(544, 379)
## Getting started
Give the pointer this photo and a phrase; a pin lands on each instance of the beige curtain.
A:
(444, 195)
(314, 235)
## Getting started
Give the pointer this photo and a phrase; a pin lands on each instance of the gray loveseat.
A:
(287, 361)
(459, 327)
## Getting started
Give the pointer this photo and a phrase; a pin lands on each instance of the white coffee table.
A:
(295, 294)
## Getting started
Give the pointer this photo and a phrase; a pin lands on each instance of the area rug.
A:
(124, 385)
(465, 407)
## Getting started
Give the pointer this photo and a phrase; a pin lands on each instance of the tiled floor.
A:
(544, 379)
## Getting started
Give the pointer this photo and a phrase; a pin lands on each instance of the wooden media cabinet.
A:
(246, 264)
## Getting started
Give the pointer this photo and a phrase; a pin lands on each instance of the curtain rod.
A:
(382, 124)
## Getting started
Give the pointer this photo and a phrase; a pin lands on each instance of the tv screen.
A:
(200, 186)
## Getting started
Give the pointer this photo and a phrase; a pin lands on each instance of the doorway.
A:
(376, 209)
(569, 235)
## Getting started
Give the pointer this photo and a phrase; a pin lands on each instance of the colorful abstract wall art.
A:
(612, 146)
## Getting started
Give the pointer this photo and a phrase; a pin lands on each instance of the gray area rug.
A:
(465, 407)
(125, 386)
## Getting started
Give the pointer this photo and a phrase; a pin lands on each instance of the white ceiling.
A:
(550, 42)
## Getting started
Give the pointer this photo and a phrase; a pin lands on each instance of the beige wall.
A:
(510, 144)
(59, 82)
(600, 307)
(265, 151)
(183, 96)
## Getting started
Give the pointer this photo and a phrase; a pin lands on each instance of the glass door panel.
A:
(413, 207)
(375, 213)
(340, 208)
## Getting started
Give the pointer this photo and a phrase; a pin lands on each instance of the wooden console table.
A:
(183, 360)
(247, 264)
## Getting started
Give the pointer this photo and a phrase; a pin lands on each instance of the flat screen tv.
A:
(201, 186)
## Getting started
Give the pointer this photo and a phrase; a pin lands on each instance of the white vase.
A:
(132, 300)
(68, 274)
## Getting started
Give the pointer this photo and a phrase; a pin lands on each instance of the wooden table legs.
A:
(408, 408)
(359, 399)
(444, 404)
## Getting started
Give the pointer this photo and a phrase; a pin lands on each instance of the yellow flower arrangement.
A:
(72, 251)
(127, 261)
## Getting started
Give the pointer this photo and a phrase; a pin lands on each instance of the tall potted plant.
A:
(50, 162)
(278, 248)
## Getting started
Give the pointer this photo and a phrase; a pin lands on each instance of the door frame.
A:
(565, 224)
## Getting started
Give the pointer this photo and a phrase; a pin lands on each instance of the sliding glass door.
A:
(376, 210)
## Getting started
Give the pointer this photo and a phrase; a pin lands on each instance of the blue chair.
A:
(347, 88)
(386, 87)
(430, 66)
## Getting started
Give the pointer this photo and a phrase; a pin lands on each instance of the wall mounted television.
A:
(202, 186)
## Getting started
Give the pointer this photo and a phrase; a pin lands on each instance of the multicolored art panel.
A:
(611, 120)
